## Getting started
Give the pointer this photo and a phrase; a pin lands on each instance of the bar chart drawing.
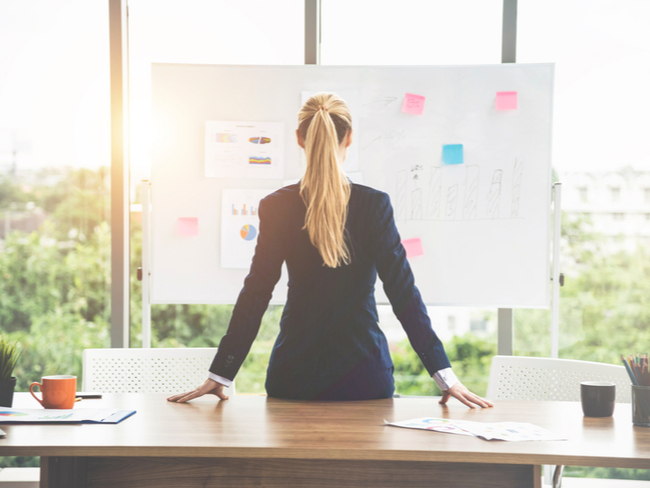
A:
(494, 195)
(434, 194)
(402, 181)
(516, 187)
(470, 206)
(416, 204)
(452, 202)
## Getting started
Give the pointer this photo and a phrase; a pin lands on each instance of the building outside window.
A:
(583, 191)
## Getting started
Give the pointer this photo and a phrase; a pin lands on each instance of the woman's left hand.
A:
(209, 387)
(463, 395)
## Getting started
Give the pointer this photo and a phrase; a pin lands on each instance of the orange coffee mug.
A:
(58, 391)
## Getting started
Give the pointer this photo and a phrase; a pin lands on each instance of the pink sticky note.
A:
(413, 104)
(506, 100)
(413, 247)
(187, 226)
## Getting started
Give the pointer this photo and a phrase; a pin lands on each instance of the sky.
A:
(54, 79)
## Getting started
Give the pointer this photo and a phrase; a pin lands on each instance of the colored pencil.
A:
(629, 370)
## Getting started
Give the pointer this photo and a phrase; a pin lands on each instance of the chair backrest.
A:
(159, 370)
(546, 379)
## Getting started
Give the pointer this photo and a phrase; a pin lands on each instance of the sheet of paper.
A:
(187, 226)
(240, 225)
(506, 100)
(413, 247)
(508, 431)
(2, 433)
(413, 104)
(426, 423)
(503, 431)
(42, 415)
(244, 149)
(351, 162)
(452, 154)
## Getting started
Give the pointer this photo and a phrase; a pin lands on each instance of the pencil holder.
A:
(641, 405)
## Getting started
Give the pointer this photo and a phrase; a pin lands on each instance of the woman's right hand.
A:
(209, 387)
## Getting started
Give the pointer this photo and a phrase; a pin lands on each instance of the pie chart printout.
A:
(248, 232)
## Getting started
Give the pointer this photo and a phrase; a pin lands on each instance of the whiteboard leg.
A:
(146, 272)
(555, 301)
(505, 332)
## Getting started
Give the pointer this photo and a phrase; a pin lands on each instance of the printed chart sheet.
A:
(244, 149)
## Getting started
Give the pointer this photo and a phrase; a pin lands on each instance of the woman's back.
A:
(329, 325)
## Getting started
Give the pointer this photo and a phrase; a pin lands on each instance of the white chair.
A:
(547, 379)
(159, 370)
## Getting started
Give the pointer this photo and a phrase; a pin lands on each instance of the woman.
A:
(335, 237)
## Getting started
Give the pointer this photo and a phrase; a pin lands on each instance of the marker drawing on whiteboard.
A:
(516, 187)
(416, 204)
(434, 195)
(382, 103)
(400, 203)
(452, 201)
(371, 142)
(494, 195)
(470, 207)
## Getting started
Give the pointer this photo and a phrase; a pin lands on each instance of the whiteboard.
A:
(484, 224)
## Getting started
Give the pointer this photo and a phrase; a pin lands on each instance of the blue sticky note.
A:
(452, 154)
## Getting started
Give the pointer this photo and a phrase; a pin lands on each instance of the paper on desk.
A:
(427, 423)
(508, 431)
(2, 433)
(502, 431)
(77, 415)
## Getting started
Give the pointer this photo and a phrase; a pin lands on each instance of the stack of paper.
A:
(499, 431)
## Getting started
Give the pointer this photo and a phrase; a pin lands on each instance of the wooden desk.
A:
(260, 441)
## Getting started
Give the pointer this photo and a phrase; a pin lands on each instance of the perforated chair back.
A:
(163, 370)
(546, 379)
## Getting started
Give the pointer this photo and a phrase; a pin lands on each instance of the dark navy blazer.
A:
(329, 326)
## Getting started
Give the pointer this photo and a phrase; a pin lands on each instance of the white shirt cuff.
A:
(220, 379)
(445, 378)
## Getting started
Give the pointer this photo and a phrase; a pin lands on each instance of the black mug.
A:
(598, 398)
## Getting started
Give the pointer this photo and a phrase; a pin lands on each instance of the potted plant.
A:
(8, 358)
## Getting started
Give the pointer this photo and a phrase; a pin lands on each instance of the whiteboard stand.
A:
(146, 261)
(505, 332)
(557, 279)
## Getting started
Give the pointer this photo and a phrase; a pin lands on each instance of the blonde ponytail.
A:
(324, 122)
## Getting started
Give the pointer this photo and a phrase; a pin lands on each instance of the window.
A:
(646, 195)
(54, 184)
(451, 323)
(411, 32)
(478, 326)
(618, 216)
(615, 193)
(584, 194)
